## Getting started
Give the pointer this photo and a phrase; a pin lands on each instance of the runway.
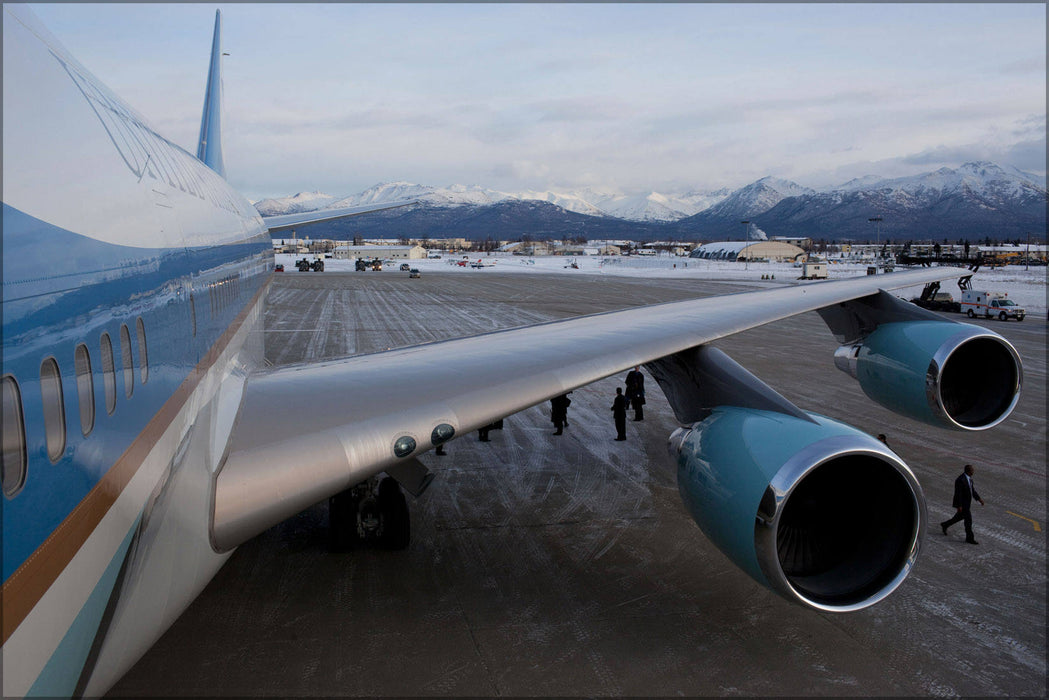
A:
(546, 565)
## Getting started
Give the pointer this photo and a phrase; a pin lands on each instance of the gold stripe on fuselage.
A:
(27, 585)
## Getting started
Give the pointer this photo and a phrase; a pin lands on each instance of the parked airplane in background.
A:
(143, 440)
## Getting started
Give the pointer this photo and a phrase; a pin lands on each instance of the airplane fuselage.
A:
(132, 285)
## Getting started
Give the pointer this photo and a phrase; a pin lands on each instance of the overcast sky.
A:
(626, 97)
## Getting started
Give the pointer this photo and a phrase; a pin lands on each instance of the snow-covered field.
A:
(1026, 287)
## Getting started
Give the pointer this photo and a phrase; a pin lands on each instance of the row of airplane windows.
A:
(53, 400)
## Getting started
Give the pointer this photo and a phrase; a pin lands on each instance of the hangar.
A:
(773, 251)
(409, 252)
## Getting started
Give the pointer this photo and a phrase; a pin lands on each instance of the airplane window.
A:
(109, 377)
(143, 356)
(193, 314)
(128, 360)
(54, 408)
(13, 466)
(85, 389)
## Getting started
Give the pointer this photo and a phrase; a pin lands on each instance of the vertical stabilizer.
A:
(209, 146)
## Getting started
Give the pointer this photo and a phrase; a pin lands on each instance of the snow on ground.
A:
(1026, 287)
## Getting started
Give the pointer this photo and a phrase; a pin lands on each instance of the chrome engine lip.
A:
(934, 375)
(791, 474)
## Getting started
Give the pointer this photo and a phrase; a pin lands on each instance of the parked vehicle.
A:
(414, 273)
(405, 267)
(977, 302)
(933, 299)
(813, 271)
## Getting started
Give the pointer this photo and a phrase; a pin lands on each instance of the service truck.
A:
(977, 302)
(305, 265)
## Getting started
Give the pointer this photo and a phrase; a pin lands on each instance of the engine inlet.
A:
(841, 532)
(976, 383)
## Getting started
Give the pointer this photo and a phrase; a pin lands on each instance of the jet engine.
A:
(952, 375)
(818, 511)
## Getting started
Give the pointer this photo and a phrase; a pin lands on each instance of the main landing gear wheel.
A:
(364, 515)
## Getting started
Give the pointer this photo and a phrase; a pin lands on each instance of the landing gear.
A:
(371, 513)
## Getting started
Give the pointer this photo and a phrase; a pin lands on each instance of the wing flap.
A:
(306, 432)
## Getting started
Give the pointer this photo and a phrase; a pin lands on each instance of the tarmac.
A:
(545, 565)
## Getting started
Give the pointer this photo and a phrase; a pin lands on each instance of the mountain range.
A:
(973, 201)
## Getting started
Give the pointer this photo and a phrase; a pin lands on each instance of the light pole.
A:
(876, 220)
(746, 228)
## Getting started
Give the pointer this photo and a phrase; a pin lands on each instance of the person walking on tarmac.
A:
(964, 495)
(619, 407)
(559, 412)
(635, 392)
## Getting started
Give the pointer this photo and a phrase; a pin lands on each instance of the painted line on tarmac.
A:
(1037, 527)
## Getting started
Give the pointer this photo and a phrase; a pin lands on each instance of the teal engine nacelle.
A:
(952, 375)
(814, 509)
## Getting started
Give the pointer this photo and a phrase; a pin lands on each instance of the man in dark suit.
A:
(964, 494)
(619, 414)
(559, 412)
(635, 392)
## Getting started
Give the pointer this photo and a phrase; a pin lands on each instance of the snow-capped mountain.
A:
(566, 200)
(460, 195)
(860, 183)
(975, 200)
(754, 199)
(976, 179)
(722, 221)
(643, 207)
(698, 200)
(451, 196)
(650, 207)
(303, 201)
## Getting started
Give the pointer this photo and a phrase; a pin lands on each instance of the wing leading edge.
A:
(325, 438)
(286, 222)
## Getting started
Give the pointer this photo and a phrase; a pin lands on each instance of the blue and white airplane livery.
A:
(144, 440)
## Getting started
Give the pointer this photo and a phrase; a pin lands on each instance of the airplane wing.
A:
(287, 222)
(307, 432)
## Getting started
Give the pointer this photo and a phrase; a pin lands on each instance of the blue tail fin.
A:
(209, 146)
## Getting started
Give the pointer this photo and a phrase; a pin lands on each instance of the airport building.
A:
(392, 252)
(773, 251)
